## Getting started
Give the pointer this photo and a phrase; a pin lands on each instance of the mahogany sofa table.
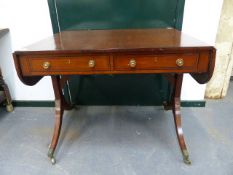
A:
(134, 51)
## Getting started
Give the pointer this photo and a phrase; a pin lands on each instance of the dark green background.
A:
(117, 14)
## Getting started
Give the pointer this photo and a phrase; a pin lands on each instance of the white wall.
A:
(29, 21)
(201, 19)
(6, 62)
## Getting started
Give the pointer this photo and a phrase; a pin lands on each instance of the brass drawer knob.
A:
(46, 65)
(91, 63)
(180, 62)
(132, 63)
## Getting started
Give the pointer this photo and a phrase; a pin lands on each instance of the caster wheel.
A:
(9, 108)
(187, 161)
(53, 161)
(186, 157)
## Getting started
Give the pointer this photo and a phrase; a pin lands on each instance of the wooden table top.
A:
(88, 41)
(106, 43)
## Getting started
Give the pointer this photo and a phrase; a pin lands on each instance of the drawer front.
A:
(156, 62)
(69, 64)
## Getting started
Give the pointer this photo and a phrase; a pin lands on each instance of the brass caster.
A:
(50, 152)
(186, 157)
(187, 161)
(167, 106)
(50, 155)
(53, 161)
(9, 108)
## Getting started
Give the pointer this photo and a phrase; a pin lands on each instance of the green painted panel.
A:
(108, 14)
(120, 89)
(117, 14)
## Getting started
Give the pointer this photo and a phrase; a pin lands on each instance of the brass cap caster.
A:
(187, 161)
(186, 157)
(50, 155)
(53, 161)
(9, 108)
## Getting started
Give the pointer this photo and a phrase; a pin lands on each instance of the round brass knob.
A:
(132, 63)
(180, 62)
(46, 65)
(91, 63)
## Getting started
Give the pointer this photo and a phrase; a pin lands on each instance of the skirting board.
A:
(18, 103)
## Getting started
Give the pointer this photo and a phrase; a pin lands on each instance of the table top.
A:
(87, 41)
(159, 48)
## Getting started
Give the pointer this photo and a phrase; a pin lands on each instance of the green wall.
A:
(117, 14)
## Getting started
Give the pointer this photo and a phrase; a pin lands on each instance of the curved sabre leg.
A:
(58, 116)
(64, 81)
(177, 117)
